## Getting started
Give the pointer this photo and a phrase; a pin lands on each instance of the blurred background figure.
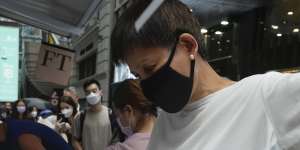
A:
(54, 101)
(72, 92)
(20, 110)
(135, 114)
(68, 110)
(7, 111)
(33, 113)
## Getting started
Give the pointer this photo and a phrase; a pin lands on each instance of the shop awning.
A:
(65, 17)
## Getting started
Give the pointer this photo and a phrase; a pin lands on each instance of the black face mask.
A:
(167, 88)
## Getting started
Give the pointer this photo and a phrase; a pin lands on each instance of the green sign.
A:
(9, 63)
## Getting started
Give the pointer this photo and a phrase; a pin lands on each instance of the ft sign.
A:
(55, 64)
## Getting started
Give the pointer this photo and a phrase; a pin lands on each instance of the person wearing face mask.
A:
(201, 109)
(135, 115)
(72, 92)
(32, 113)
(20, 110)
(94, 122)
(68, 111)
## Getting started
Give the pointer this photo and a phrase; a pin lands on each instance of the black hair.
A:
(160, 31)
(15, 110)
(30, 109)
(89, 82)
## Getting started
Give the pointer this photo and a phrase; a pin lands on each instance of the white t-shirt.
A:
(261, 112)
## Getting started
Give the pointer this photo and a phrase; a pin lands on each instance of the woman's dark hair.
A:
(30, 109)
(160, 31)
(15, 111)
(69, 100)
(130, 93)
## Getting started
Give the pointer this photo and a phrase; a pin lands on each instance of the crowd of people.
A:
(90, 126)
(198, 108)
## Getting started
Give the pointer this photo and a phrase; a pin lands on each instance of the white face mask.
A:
(21, 109)
(93, 98)
(33, 114)
(126, 130)
(67, 112)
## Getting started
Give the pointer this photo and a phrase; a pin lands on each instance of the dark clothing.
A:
(50, 139)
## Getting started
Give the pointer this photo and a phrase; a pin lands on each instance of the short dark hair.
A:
(161, 30)
(89, 82)
(130, 93)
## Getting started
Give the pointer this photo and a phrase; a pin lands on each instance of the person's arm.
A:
(30, 142)
(76, 144)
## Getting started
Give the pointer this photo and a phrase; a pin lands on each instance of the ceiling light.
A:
(296, 30)
(275, 27)
(218, 33)
(224, 22)
(290, 13)
(203, 31)
(279, 34)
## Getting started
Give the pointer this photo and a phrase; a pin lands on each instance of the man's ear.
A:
(189, 43)
(101, 92)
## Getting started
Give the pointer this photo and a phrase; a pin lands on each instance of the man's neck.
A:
(96, 108)
(207, 81)
(146, 125)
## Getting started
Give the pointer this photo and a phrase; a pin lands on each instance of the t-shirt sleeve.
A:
(281, 94)
(76, 126)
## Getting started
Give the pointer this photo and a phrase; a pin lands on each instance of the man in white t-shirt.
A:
(91, 129)
(200, 109)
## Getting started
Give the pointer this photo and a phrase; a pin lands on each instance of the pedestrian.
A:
(8, 109)
(33, 113)
(28, 135)
(68, 109)
(135, 114)
(92, 128)
(72, 92)
(20, 110)
(201, 109)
